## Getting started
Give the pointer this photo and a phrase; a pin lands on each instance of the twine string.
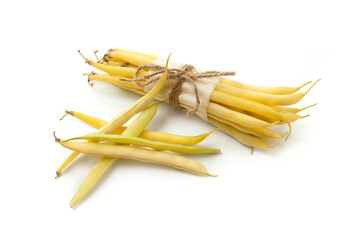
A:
(176, 77)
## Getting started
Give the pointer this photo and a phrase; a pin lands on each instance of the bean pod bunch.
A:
(245, 112)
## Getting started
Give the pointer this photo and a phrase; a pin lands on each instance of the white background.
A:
(307, 188)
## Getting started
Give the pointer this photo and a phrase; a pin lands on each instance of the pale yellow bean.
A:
(115, 80)
(150, 135)
(133, 59)
(245, 104)
(142, 142)
(152, 156)
(268, 99)
(150, 56)
(293, 110)
(269, 90)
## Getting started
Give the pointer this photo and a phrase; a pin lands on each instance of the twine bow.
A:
(176, 77)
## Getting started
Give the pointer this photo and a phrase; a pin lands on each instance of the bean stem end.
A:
(56, 138)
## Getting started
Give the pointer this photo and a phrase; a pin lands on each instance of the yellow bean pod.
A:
(112, 70)
(149, 135)
(292, 117)
(113, 80)
(150, 56)
(140, 123)
(263, 133)
(268, 90)
(236, 117)
(142, 142)
(245, 104)
(291, 109)
(133, 59)
(117, 64)
(244, 138)
(265, 98)
(67, 161)
(145, 155)
(288, 117)
(92, 178)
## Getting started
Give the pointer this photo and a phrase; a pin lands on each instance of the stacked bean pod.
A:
(243, 111)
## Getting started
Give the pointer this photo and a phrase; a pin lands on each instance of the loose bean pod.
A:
(91, 179)
(152, 156)
(140, 123)
(67, 161)
(149, 135)
(142, 142)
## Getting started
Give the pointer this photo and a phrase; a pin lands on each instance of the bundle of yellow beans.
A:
(112, 140)
(242, 111)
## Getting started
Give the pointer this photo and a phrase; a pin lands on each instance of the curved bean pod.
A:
(145, 155)
(293, 110)
(141, 142)
(265, 98)
(268, 90)
(149, 135)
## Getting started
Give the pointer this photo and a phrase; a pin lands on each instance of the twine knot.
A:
(175, 77)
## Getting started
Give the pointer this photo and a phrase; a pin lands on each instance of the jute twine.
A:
(176, 77)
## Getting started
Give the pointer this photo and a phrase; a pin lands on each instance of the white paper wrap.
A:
(187, 96)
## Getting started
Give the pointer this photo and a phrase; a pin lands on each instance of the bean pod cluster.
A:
(242, 111)
(245, 112)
